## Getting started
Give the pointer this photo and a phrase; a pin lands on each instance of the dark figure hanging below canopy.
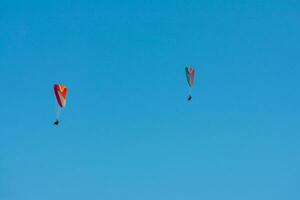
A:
(56, 122)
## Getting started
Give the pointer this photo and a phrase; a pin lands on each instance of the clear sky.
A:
(128, 131)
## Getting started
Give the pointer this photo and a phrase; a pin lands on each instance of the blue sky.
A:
(127, 131)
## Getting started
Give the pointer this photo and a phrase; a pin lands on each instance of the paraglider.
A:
(60, 92)
(190, 76)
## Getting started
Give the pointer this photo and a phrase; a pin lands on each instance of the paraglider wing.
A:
(60, 94)
(190, 75)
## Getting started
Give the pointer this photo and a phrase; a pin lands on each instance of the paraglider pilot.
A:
(56, 122)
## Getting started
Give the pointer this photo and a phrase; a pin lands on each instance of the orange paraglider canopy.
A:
(60, 94)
